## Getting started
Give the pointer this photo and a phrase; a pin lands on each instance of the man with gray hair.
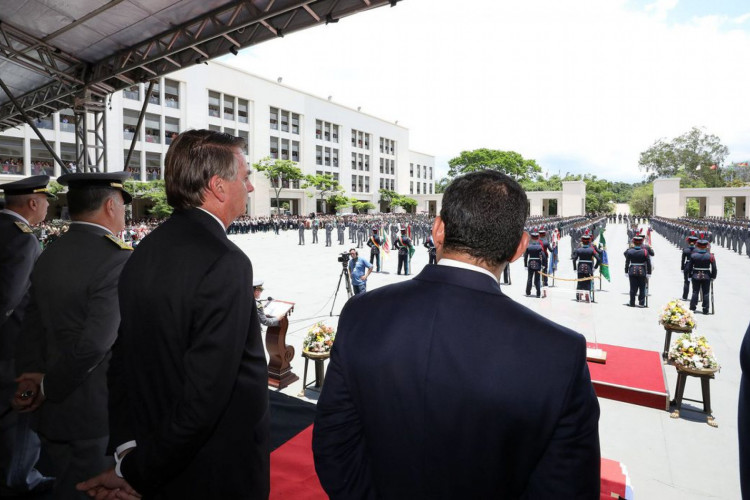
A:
(458, 392)
(188, 379)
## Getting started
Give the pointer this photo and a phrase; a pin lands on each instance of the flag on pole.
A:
(385, 238)
(605, 261)
(743, 164)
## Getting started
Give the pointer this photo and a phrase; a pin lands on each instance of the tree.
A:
(339, 201)
(325, 184)
(387, 196)
(281, 173)
(441, 184)
(408, 204)
(508, 162)
(359, 206)
(696, 154)
(642, 200)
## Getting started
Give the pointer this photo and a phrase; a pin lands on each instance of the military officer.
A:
(638, 270)
(301, 230)
(429, 244)
(70, 326)
(702, 270)
(585, 260)
(375, 243)
(534, 260)
(405, 247)
(26, 205)
(315, 224)
(264, 320)
(329, 230)
(686, 253)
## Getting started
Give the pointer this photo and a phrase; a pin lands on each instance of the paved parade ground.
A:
(666, 458)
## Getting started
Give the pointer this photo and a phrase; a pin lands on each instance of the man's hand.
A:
(29, 395)
(108, 486)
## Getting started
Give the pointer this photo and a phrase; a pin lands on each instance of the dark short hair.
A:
(193, 158)
(484, 214)
(88, 199)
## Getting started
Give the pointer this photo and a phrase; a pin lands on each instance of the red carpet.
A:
(631, 375)
(293, 472)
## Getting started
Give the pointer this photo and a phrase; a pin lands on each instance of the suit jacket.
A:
(743, 416)
(188, 378)
(458, 392)
(19, 249)
(70, 326)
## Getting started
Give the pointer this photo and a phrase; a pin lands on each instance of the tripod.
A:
(345, 276)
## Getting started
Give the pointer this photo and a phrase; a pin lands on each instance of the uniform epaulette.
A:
(117, 241)
(23, 227)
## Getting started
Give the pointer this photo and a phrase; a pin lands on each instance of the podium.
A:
(280, 354)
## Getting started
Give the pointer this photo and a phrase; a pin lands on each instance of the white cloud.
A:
(584, 84)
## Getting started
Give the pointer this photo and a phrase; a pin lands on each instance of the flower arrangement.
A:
(676, 313)
(319, 338)
(693, 352)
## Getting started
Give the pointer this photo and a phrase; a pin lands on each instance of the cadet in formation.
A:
(534, 260)
(686, 253)
(375, 243)
(638, 270)
(585, 260)
(702, 271)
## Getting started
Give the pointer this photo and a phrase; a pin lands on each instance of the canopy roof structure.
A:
(58, 54)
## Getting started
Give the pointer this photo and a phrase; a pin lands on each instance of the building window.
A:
(354, 138)
(360, 163)
(229, 107)
(411, 187)
(214, 128)
(418, 186)
(318, 129)
(381, 144)
(295, 150)
(171, 129)
(318, 155)
(430, 188)
(153, 128)
(354, 161)
(336, 133)
(381, 183)
(171, 93)
(419, 172)
(246, 137)
(154, 97)
(411, 170)
(67, 121)
(284, 149)
(42, 162)
(381, 167)
(327, 157)
(133, 92)
(335, 157)
(367, 141)
(134, 167)
(213, 104)
(327, 131)
(274, 147)
(367, 163)
(274, 120)
(393, 185)
(129, 122)
(295, 123)
(367, 184)
(242, 110)
(284, 121)
(354, 183)
(153, 166)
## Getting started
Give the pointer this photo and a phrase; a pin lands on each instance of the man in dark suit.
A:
(70, 326)
(188, 379)
(465, 393)
(26, 205)
(743, 416)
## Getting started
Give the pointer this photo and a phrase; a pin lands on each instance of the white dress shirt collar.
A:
(466, 265)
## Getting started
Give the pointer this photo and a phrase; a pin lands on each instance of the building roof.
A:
(57, 54)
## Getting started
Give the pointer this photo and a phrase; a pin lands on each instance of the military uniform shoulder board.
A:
(117, 241)
(23, 227)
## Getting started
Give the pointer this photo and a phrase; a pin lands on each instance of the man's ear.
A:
(438, 231)
(521, 247)
(216, 187)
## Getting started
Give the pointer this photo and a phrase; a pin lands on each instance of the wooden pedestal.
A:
(280, 356)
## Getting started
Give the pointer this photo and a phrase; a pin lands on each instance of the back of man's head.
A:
(194, 157)
(83, 202)
(484, 214)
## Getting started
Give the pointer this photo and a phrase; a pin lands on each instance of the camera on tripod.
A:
(343, 258)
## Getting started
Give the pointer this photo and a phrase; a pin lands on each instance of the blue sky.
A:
(582, 86)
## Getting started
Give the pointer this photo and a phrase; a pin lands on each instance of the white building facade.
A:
(363, 152)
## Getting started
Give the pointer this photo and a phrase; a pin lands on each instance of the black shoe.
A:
(705, 312)
(630, 305)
